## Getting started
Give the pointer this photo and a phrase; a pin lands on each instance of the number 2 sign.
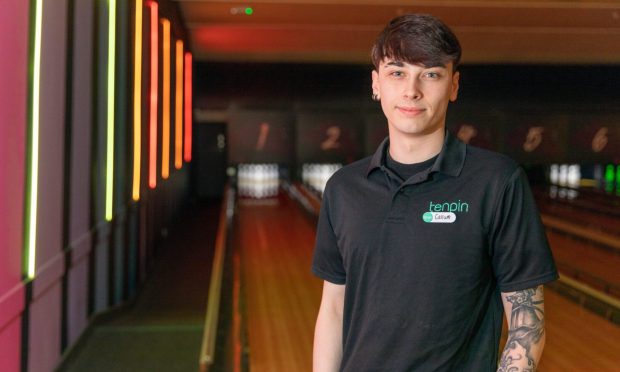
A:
(332, 137)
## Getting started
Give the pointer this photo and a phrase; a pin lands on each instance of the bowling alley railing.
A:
(208, 348)
(308, 193)
(585, 233)
(600, 303)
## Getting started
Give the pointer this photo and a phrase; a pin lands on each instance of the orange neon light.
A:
(153, 94)
(178, 125)
(165, 135)
(137, 102)
(187, 156)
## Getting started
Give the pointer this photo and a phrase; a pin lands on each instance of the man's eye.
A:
(432, 75)
(397, 73)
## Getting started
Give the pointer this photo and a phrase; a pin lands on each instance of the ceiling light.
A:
(241, 10)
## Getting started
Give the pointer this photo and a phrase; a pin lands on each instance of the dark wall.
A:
(220, 83)
(536, 114)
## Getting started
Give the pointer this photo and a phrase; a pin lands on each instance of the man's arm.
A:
(525, 312)
(327, 352)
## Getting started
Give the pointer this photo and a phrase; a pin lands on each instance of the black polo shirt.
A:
(424, 260)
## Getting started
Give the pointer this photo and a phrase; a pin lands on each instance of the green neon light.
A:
(609, 178)
(609, 174)
(249, 11)
(110, 115)
(33, 176)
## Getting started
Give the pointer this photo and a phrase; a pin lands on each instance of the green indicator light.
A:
(609, 174)
(249, 11)
(609, 178)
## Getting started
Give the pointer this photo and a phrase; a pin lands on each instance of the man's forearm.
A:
(327, 351)
(526, 330)
(516, 358)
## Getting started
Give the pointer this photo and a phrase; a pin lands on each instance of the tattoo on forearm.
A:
(526, 328)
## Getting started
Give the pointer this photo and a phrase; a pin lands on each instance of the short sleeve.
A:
(521, 255)
(327, 261)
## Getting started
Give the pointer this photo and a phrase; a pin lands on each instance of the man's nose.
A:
(413, 89)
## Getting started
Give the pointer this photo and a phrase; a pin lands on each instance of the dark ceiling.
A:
(342, 31)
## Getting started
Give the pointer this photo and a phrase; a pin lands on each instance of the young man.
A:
(424, 245)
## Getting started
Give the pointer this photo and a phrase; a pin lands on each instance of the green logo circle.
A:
(427, 217)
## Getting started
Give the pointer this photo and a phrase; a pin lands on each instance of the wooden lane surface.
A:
(592, 199)
(578, 340)
(595, 222)
(282, 300)
(281, 295)
(596, 267)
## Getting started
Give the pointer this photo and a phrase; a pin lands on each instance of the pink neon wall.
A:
(13, 89)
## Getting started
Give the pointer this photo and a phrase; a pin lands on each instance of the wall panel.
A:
(13, 114)
(44, 330)
(80, 239)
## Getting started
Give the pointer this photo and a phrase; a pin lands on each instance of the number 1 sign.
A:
(260, 137)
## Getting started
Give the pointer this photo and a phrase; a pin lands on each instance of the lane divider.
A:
(207, 350)
(601, 238)
(592, 299)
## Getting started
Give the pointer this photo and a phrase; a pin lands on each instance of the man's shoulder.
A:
(349, 174)
(488, 162)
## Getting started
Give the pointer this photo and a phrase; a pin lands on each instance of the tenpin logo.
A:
(444, 212)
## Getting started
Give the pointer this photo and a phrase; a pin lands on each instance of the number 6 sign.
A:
(533, 139)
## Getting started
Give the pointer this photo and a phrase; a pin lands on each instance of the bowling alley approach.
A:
(170, 169)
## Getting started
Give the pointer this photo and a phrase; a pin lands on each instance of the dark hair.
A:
(420, 39)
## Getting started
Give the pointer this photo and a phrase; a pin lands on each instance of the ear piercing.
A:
(375, 97)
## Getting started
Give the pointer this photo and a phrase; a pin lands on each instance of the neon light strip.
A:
(153, 101)
(137, 102)
(33, 177)
(178, 134)
(165, 146)
(109, 194)
(609, 174)
(187, 156)
(609, 178)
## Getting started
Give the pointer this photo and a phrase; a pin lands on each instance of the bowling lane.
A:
(586, 262)
(577, 339)
(573, 211)
(282, 298)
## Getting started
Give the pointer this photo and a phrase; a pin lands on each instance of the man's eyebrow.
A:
(402, 64)
(396, 63)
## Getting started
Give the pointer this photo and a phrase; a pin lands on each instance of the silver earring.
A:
(375, 97)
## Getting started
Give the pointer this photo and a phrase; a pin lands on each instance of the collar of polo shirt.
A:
(450, 160)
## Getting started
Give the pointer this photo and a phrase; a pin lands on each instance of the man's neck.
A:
(416, 149)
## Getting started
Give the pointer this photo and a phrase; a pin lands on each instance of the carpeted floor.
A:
(162, 330)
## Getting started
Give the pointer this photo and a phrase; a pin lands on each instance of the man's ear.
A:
(455, 86)
(375, 82)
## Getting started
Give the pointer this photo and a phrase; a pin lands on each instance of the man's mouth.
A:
(410, 111)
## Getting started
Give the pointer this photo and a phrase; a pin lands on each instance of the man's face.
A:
(414, 98)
